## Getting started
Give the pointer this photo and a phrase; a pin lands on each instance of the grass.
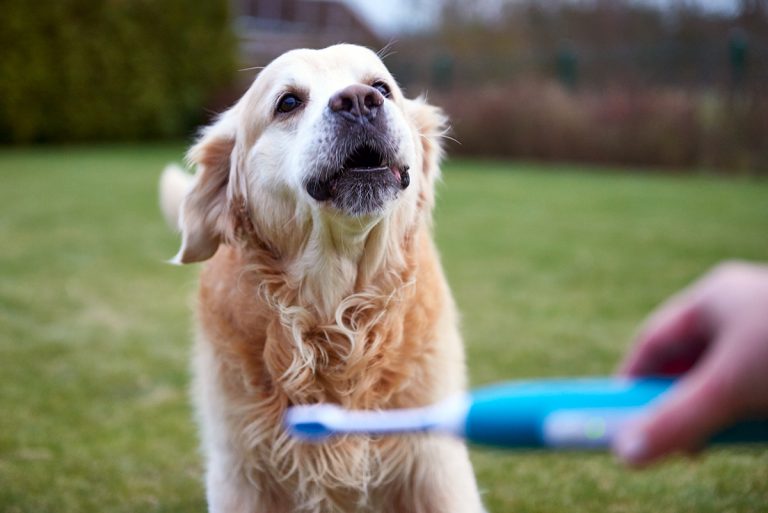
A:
(552, 269)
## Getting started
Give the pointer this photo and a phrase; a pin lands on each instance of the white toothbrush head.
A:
(319, 421)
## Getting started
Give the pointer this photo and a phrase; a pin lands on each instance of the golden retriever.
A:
(312, 206)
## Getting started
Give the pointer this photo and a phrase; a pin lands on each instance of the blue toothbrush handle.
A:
(573, 413)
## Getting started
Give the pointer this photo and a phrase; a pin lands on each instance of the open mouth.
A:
(365, 181)
(367, 159)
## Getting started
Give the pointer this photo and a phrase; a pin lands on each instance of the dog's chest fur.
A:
(270, 350)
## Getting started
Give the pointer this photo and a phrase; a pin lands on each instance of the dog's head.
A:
(323, 142)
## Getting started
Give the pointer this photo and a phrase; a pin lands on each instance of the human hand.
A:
(714, 333)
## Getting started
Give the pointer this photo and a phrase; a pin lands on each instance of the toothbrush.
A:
(581, 413)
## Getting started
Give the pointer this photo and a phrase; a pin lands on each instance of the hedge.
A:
(673, 128)
(74, 70)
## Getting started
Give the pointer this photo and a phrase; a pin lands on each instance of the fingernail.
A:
(631, 446)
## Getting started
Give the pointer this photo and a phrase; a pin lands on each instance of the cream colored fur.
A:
(301, 304)
(174, 185)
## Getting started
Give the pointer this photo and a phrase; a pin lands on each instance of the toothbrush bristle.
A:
(311, 422)
(310, 430)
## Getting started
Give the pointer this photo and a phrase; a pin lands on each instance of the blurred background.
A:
(605, 153)
(662, 83)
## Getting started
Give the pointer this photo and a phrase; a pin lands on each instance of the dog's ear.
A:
(431, 124)
(206, 210)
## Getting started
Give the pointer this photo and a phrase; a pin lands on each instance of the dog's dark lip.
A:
(364, 163)
(365, 172)
(366, 169)
(325, 189)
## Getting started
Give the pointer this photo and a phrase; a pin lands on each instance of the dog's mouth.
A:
(366, 180)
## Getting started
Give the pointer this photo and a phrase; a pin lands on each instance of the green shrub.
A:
(74, 70)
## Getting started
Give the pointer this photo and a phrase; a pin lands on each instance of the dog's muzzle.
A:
(366, 174)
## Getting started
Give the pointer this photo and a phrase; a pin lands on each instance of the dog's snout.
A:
(356, 102)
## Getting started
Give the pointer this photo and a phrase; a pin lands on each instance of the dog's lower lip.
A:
(399, 172)
(321, 190)
(367, 169)
(328, 189)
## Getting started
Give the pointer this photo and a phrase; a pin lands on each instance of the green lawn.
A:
(552, 269)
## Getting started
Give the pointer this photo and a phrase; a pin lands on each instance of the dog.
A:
(312, 205)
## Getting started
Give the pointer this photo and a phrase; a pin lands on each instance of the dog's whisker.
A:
(449, 138)
(387, 50)
(440, 135)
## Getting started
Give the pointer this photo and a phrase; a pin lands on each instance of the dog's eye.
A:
(287, 103)
(383, 88)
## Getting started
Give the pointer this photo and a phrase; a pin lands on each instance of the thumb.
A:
(683, 419)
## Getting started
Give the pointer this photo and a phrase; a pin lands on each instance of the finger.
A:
(699, 406)
(669, 343)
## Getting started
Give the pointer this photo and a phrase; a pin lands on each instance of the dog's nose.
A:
(356, 102)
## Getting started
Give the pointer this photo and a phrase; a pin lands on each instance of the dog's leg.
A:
(228, 492)
(231, 488)
(441, 480)
(228, 489)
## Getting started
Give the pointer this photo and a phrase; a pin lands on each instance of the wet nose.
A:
(356, 102)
